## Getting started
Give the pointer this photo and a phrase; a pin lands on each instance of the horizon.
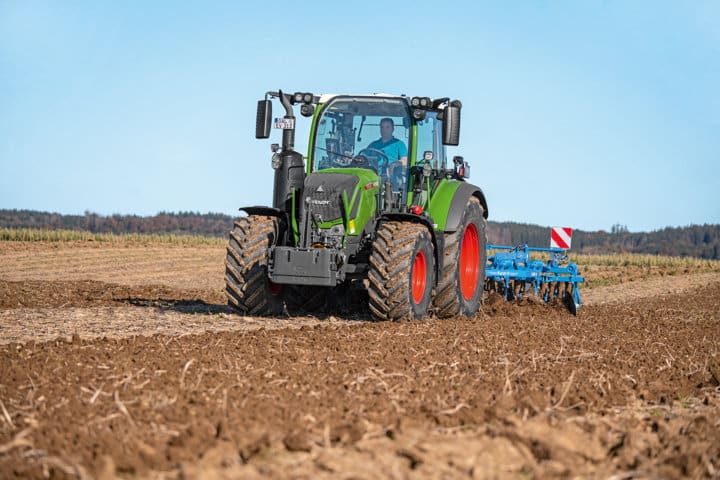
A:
(579, 115)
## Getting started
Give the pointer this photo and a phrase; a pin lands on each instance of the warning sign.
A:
(560, 237)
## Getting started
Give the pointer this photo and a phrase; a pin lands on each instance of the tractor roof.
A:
(326, 97)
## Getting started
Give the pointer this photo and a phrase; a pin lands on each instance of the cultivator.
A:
(512, 273)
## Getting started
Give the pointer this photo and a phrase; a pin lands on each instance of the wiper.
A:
(362, 122)
(332, 152)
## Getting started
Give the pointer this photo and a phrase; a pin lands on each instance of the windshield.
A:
(366, 132)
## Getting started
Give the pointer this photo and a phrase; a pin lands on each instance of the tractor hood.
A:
(345, 196)
(327, 195)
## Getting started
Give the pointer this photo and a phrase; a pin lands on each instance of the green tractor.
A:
(356, 219)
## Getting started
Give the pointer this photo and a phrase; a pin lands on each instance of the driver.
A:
(395, 149)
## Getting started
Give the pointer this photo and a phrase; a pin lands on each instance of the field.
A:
(119, 359)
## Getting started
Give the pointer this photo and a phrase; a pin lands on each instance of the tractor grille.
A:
(324, 193)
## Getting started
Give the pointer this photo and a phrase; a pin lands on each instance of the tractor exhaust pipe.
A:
(288, 140)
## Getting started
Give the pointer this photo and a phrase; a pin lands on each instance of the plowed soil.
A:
(123, 361)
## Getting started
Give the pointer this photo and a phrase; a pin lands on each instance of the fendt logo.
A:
(560, 237)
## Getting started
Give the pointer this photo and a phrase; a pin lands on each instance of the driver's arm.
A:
(402, 153)
(403, 157)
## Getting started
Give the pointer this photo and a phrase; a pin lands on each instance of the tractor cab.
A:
(370, 132)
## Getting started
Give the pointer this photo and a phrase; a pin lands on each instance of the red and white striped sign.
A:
(560, 237)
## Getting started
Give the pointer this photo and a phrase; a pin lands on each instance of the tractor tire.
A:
(248, 288)
(462, 279)
(401, 272)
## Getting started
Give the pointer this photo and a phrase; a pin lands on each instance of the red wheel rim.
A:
(419, 277)
(469, 262)
(275, 288)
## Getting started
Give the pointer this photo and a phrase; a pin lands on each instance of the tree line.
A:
(701, 241)
(181, 223)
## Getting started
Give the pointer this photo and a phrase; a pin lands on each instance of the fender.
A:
(262, 210)
(460, 199)
(437, 240)
(271, 212)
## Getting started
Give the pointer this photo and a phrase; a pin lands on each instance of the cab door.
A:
(430, 140)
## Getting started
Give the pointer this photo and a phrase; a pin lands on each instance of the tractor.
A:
(350, 221)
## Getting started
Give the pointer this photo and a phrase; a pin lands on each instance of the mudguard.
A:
(262, 210)
(272, 212)
(457, 205)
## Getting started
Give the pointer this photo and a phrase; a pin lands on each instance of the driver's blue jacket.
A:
(394, 149)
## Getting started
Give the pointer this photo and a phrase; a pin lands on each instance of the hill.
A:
(701, 241)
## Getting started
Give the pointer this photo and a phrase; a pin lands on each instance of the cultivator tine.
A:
(500, 287)
(543, 292)
(518, 289)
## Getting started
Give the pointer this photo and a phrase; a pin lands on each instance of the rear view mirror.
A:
(451, 124)
(264, 115)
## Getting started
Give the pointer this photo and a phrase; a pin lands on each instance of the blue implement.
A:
(513, 273)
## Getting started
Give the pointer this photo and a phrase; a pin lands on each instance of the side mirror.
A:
(451, 124)
(264, 116)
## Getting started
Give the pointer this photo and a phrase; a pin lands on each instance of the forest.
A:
(701, 241)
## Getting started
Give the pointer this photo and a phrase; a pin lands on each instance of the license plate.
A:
(285, 123)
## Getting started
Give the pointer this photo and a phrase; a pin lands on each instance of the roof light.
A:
(307, 110)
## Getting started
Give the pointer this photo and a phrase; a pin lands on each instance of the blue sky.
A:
(581, 114)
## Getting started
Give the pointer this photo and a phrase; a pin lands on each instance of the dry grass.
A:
(37, 235)
(648, 261)
(604, 270)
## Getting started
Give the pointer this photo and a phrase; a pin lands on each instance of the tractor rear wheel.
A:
(401, 271)
(248, 288)
(461, 282)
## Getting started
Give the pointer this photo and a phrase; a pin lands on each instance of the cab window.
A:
(365, 132)
(430, 139)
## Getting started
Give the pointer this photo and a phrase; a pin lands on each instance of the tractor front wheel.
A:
(401, 271)
(461, 282)
(248, 288)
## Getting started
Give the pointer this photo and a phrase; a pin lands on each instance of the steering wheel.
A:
(375, 152)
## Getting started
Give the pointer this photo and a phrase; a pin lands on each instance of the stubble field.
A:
(122, 361)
